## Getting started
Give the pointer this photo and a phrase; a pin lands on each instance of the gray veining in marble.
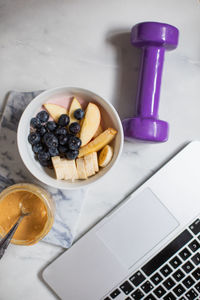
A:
(12, 170)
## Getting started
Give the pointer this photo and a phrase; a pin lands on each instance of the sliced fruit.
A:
(58, 167)
(74, 106)
(70, 171)
(98, 132)
(89, 165)
(55, 110)
(90, 123)
(105, 156)
(95, 161)
(99, 142)
(80, 165)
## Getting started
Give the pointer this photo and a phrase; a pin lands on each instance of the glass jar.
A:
(46, 201)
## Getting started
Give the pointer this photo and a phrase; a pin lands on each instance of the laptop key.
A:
(147, 287)
(199, 237)
(150, 297)
(137, 278)
(169, 283)
(197, 286)
(188, 267)
(126, 287)
(188, 282)
(196, 259)
(137, 295)
(185, 253)
(178, 275)
(115, 293)
(191, 294)
(156, 278)
(195, 227)
(175, 262)
(196, 274)
(166, 270)
(169, 296)
(159, 291)
(107, 298)
(128, 298)
(194, 246)
(179, 290)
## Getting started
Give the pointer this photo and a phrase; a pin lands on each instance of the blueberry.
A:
(42, 130)
(74, 143)
(63, 139)
(34, 138)
(63, 120)
(74, 128)
(51, 125)
(62, 149)
(44, 158)
(53, 151)
(61, 131)
(79, 114)
(71, 154)
(50, 140)
(37, 148)
(35, 123)
(43, 116)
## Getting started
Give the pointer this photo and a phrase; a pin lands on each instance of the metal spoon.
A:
(8, 237)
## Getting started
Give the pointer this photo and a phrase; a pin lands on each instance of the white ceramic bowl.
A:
(46, 175)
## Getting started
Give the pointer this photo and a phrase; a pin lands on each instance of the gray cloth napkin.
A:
(12, 170)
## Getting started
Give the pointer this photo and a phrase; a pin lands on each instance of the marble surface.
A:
(12, 170)
(51, 43)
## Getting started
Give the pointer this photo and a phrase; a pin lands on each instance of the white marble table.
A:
(44, 44)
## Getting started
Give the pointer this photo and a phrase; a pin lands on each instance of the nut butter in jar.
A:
(32, 199)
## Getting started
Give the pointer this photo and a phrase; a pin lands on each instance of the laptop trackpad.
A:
(137, 227)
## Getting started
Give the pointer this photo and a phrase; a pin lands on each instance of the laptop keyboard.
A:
(174, 273)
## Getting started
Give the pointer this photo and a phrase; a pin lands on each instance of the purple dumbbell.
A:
(153, 38)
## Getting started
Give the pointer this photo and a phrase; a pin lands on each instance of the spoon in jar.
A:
(5, 241)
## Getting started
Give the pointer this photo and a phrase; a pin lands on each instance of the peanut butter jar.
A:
(34, 200)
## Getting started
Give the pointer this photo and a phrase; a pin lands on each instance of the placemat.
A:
(12, 170)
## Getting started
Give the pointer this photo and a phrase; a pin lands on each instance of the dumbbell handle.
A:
(149, 81)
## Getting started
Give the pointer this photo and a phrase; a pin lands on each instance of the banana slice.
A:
(105, 156)
(95, 161)
(89, 165)
(70, 169)
(80, 165)
(58, 167)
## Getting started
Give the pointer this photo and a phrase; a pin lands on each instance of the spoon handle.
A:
(5, 241)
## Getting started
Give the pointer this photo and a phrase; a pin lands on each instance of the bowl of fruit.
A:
(69, 137)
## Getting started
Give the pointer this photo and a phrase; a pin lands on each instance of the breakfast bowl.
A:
(63, 97)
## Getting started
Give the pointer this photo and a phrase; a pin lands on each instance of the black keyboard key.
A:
(166, 270)
(185, 253)
(197, 286)
(128, 298)
(137, 295)
(150, 297)
(196, 259)
(188, 267)
(188, 282)
(179, 290)
(147, 287)
(195, 227)
(107, 298)
(126, 287)
(178, 275)
(115, 293)
(159, 291)
(156, 278)
(137, 278)
(170, 296)
(169, 283)
(175, 262)
(191, 294)
(194, 246)
(196, 274)
(199, 237)
(158, 260)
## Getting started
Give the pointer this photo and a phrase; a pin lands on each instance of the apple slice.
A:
(74, 106)
(55, 110)
(99, 142)
(90, 124)
(98, 132)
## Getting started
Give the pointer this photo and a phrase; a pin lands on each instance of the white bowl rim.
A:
(21, 142)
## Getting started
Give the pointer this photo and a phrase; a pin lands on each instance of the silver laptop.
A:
(147, 248)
